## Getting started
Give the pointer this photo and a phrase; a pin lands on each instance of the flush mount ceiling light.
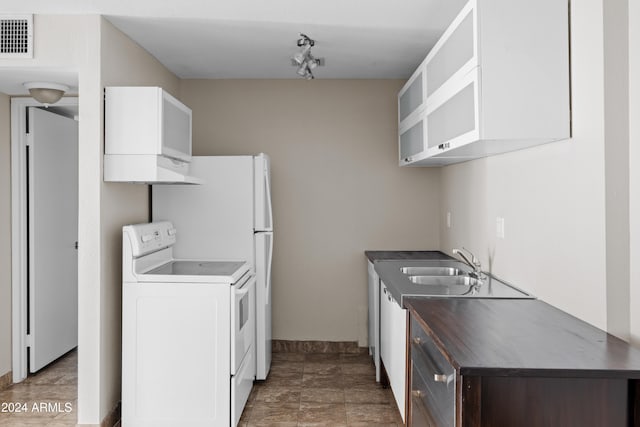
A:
(304, 60)
(45, 92)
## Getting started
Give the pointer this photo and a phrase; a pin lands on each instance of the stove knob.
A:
(147, 237)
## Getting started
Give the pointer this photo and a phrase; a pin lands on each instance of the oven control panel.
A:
(151, 237)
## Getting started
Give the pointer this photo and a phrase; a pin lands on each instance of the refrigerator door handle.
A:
(267, 182)
(269, 261)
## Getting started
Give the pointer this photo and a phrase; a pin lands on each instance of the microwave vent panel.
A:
(16, 36)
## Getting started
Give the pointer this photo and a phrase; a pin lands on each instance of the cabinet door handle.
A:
(417, 393)
(417, 340)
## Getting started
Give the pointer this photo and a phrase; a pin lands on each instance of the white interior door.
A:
(53, 233)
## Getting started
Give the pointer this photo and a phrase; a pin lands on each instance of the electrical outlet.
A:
(500, 227)
(448, 219)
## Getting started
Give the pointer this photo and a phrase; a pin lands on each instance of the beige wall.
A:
(5, 235)
(122, 63)
(552, 197)
(337, 188)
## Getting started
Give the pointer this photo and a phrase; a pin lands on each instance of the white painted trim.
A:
(19, 231)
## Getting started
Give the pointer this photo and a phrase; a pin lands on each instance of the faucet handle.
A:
(474, 259)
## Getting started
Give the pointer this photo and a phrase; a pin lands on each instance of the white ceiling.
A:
(256, 38)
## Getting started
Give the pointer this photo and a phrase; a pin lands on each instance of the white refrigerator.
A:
(233, 209)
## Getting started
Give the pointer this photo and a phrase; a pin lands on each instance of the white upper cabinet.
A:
(497, 80)
(146, 120)
(147, 137)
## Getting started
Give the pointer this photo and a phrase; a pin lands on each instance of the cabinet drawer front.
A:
(457, 52)
(432, 380)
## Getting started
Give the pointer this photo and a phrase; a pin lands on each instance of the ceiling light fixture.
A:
(304, 60)
(45, 92)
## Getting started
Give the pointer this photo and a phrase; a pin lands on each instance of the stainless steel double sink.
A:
(442, 278)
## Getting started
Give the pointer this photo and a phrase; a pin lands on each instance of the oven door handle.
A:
(243, 283)
(244, 288)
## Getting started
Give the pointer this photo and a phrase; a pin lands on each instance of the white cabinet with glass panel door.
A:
(496, 81)
(411, 103)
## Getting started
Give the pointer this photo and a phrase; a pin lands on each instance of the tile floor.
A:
(47, 399)
(319, 389)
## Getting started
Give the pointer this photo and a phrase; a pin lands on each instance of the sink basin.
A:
(449, 290)
(433, 271)
(449, 281)
(446, 278)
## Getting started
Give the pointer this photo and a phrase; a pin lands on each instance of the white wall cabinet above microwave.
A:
(496, 81)
(147, 137)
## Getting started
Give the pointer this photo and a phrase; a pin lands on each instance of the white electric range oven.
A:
(188, 333)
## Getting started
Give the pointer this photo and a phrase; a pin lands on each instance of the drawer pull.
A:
(442, 378)
(431, 364)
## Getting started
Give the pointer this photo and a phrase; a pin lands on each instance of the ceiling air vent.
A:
(16, 36)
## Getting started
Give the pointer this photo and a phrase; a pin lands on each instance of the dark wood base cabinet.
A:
(499, 401)
(533, 401)
(516, 364)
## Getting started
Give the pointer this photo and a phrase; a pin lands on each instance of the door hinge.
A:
(26, 120)
(29, 340)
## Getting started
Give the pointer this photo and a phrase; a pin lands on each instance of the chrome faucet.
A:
(474, 263)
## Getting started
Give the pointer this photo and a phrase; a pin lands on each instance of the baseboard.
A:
(6, 380)
(287, 346)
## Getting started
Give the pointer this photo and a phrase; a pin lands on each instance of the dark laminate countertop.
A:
(522, 338)
(389, 255)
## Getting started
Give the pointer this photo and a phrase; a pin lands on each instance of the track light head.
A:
(302, 70)
(305, 40)
(304, 60)
(312, 62)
